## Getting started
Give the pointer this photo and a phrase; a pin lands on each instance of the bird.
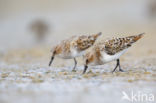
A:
(109, 50)
(73, 47)
(41, 30)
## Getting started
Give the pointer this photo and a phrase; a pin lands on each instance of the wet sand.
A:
(26, 77)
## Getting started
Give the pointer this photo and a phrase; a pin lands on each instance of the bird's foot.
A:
(73, 70)
(121, 70)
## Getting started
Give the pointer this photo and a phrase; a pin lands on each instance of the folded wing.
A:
(116, 45)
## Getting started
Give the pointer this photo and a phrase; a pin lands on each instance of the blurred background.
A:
(30, 22)
(29, 29)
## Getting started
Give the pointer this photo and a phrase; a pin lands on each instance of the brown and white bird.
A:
(73, 47)
(109, 50)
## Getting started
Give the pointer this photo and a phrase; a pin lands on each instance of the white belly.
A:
(76, 53)
(108, 58)
(72, 54)
(65, 56)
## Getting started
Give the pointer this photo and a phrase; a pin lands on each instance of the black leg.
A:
(117, 64)
(120, 67)
(85, 68)
(75, 63)
(52, 58)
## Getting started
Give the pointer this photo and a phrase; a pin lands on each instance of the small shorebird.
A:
(109, 50)
(73, 47)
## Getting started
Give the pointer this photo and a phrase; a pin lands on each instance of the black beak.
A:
(85, 68)
(52, 58)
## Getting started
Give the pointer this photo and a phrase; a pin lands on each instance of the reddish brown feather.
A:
(118, 44)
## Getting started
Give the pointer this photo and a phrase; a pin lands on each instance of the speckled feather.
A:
(116, 45)
(84, 42)
(78, 43)
(109, 50)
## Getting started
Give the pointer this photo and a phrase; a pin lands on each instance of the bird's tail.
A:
(137, 37)
(97, 35)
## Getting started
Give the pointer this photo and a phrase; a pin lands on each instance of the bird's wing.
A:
(116, 45)
(85, 41)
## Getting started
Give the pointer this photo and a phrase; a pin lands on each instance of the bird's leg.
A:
(85, 68)
(75, 63)
(52, 58)
(120, 66)
(117, 64)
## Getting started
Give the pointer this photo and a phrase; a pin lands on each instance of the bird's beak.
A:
(52, 58)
